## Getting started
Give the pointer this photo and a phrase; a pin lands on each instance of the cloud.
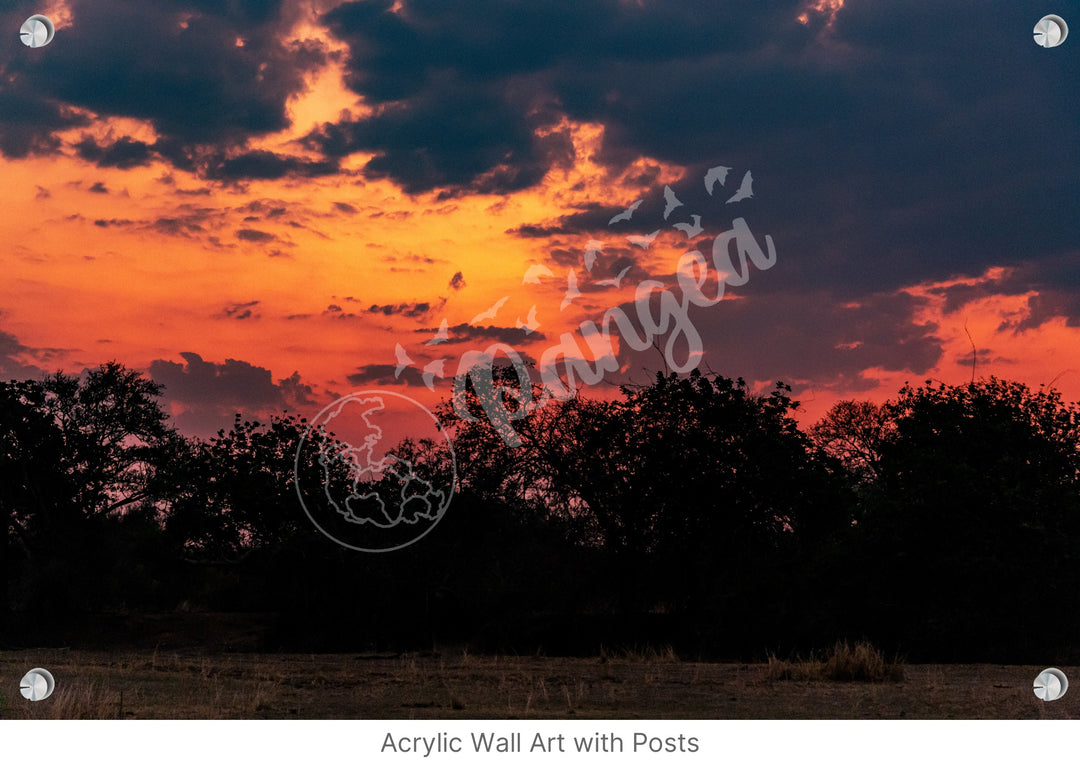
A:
(383, 374)
(124, 153)
(463, 332)
(20, 361)
(413, 258)
(462, 93)
(187, 225)
(770, 337)
(591, 218)
(177, 65)
(204, 396)
(28, 122)
(470, 94)
(404, 309)
(266, 165)
(457, 282)
(889, 149)
(254, 235)
(174, 64)
(13, 356)
(1051, 285)
(245, 310)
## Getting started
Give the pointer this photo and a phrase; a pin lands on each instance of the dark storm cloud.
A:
(1045, 306)
(886, 151)
(910, 142)
(175, 63)
(266, 165)
(27, 122)
(466, 86)
(1055, 283)
(808, 339)
(209, 394)
(124, 154)
(590, 220)
(455, 135)
(1052, 285)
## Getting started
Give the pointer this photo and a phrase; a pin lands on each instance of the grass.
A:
(842, 662)
(846, 681)
(639, 654)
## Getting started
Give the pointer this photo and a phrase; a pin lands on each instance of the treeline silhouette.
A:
(943, 524)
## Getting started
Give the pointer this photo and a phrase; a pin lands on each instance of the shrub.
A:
(842, 662)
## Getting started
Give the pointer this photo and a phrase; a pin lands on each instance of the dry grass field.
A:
(182, 684)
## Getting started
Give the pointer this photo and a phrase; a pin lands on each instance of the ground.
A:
(184, 683)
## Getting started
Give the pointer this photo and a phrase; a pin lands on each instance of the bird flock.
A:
(535, 273)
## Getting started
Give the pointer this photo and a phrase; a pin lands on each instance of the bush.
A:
(861, 662)
(842, 662)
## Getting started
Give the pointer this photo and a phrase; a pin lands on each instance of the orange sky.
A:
(81, 293)
(143, 264)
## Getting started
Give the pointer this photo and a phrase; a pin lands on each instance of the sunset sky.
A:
(264, 204)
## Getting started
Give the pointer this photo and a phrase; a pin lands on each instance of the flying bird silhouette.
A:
(535, 272)
(490, 312)
(531, 324)
(714, 175)
(442, 336)
(744, 191)
(572, 291)
(403, 360)
(615, 281)
(592, 248)
(626, 214)
(671, 202)
(433, 370)
(643, 240)
(691, 231)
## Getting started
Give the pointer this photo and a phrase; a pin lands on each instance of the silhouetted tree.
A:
(30, 463)
(853, 432)
(695, 489)
(84, 452)
(235, 493)
(974, 520)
